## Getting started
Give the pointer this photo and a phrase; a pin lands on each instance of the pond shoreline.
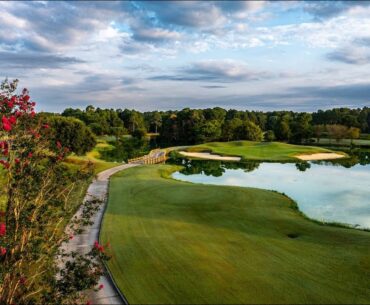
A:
(319, 197)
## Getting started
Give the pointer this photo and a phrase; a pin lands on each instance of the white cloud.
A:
(65, 42)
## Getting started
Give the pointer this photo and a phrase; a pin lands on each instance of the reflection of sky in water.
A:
(324, 192)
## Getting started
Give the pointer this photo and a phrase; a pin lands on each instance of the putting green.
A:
(177, 242)
(263, 151)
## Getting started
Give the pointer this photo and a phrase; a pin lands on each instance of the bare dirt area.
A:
(320, 156)
(209, 156)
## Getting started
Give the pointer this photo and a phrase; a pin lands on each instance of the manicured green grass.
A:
(263, 151)
(177, 242)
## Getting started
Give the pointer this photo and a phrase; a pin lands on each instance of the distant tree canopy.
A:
(192, 126)
(339, 132)
(101, 121)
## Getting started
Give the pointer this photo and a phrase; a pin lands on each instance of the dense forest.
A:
(192, 126)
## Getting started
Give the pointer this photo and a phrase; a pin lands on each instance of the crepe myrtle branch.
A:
(36, 204)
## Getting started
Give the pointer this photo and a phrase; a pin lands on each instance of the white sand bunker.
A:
(208, 156)
(320, 156)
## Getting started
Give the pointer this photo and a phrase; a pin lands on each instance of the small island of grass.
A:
(262, 151)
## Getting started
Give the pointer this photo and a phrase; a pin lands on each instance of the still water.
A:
(337, 191)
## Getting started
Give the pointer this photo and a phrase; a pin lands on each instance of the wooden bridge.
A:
(155, 156)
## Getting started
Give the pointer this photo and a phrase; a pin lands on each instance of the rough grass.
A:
(178, 242)
(261, 151)
(94, 157)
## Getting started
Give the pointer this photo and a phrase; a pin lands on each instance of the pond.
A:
(335, 191)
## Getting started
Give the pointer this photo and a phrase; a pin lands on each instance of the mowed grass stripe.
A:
(177, 242)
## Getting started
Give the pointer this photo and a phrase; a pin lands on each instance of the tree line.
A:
(192, 126)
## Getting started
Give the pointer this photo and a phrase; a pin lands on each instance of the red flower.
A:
(71, 237)
(2, 251)
(6, 124)
(5, 163)
(101, 286)
(13, 99)
(2, 229)
(59, 145)
(46, 126)
(17, 161)
(26, 98)
(7, 127)
(22, 280)
(12, 120)
(32, 114)
(30, 155)
(98, 247)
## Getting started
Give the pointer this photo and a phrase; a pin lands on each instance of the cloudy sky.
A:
(300, 55)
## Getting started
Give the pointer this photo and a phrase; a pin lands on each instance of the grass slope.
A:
(177, 242)
(263, 151)
(94, 157)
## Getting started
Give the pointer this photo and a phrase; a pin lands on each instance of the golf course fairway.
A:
(178, 242)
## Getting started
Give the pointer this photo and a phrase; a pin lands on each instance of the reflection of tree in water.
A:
(248, 166)
(212, 167)
(363, 157)
(303, 166)
(209, 168)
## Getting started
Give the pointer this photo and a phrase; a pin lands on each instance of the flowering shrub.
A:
(38, 188)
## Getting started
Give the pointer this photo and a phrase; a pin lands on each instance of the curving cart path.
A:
(83, 243)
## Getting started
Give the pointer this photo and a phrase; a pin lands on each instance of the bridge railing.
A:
(151, 158)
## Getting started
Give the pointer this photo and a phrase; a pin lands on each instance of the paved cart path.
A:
(84, 242)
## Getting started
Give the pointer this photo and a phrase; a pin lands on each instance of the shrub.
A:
(73, 133)
(37, 191)
(139, 133)
(269, 136)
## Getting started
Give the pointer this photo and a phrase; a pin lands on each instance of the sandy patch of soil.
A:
(208, 156)
(320, 156)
